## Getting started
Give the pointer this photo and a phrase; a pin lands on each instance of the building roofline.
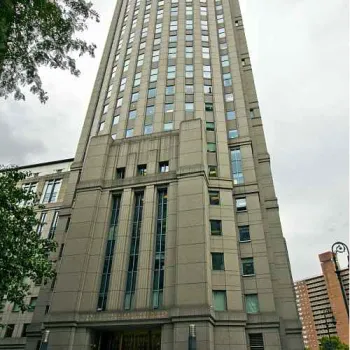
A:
(66, 160)
(316, 276)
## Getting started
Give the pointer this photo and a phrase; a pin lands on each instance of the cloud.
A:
(299, 52)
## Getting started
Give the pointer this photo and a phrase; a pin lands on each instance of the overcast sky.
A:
(300, 57)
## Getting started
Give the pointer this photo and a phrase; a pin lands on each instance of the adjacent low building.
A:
(321, 305)
(49, 181)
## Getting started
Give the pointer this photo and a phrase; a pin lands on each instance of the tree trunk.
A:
(7, 13)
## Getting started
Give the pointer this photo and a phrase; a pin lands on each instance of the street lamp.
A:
(340, 247)
(192, 337)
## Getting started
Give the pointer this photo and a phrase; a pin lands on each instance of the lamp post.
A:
(340, 247)
(325, 315)
(192, 337)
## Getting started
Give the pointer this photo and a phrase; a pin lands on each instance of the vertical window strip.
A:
(107, 266)
(134, 252)
(42, 222)
(158, 272)
(236, 165)
(53, 225)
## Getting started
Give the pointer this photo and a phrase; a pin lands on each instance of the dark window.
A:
(209, 107)
(163, 167)
(67, 224)
(142, 170)
(241, 204)
(32, 304)
(9, 330)
(109, 252)
(256, 341)
(215, 227)
(158, 272)
(61, 251)
(120, 173)
(47, 309)
(210, 126)
(214, 197)
(134, 253)
(51, 191)
(53, 225)
(244, 234)
(248, 266)
(213, 171)
(217, 260)
(42, 222)
(24, 329)
(53, 282)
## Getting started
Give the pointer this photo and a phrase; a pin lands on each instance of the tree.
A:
(35, 33)
(332, 343)
(24, 256)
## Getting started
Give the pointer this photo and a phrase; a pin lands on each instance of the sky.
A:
(300, 57)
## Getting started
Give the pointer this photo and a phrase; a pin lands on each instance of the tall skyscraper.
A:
(170, 216)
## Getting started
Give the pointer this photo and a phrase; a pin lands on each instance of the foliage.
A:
(23, 254)
(35, 33)
(332, 343)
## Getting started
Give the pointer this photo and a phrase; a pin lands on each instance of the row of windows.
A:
(247, 264)
(163, 167)
(220, 302)
(214, 199)
(16, 308)
(50, 192)
(243, 230)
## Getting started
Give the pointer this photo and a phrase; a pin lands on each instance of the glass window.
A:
(148, 129)
(132, 114)
(230, 115)
(172, 52)
(251, 113)
(227, 79)
(152, 93)
(189, 52)
(210, 126)
(149, 111)
(168, 126)
(211, 147)
(173, 25)
(217, 260)
(251, 303)
(222, 33)
(105, 109)
(206, 72)
(209, 107)
(244, 234)
(189, 71)
(142, 170)
(189, 37)
(219, 300)
(189, 24)
(232, 134)
(223, 46)
(205, 52)
(120, 173)
(173, 38)
(215, 227)
(236, 166)
(154, 75)
(134, 97)
(256, 341)
(214, 197)
(129, 132)
(189, 89)
(32, 304)
(155, 56)
(116, 119)
(189, 107)
(101, 127)
(137, 79)
(205, 38)
(170, 90)
(119, 102)
(225, 61)
(171, 72)
(213, 171)
(168, 107)
(9, 330)
(208, 89)
(228, 97)
(50, 192)
(241, 204)
(163, 167)
(247, 266)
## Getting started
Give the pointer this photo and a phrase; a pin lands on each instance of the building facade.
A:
(321, 305)
(170, 216)
(49, 181)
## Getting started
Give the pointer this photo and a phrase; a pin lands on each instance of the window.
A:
(251, 113)
(244, 233)
(230, 115)
(140, 59)
(210, 126)
(115, 119)
(109, 91)
(152, 93)
(214, 197)
(132, 114)
(157, 41)
(134, 97)
(219, 300)
(154, 75)
(105, 109)
(171, 52)
(51, 190)
(247, 266)
(142, 170)
(227, 79)
(169, 107)
(16, 308)
(148, 129)
(232, 134)
(32, 304)
(205, 52)
(149, 111)
(209, 107)
(241, 204)
(217, 261)
(189, 52)
(224, 61)
(215, 227)
(189, 107)
(236, 166)
(228, 97)
(189, 24)
(159, 28)
(42, 222)
(155, 56)
(256, 341)
(24, 329)
(189, 71)
(126, 65)
(208, 89)
(204, 25)
(120, 173)
(251, 303)
(223, 46)
(173, 25)
(119, 102)
(222, 33)
(171, 72)
(189, 37)
(129, 132)
(101, 127)
(206, 72)
(211, 147)
(189, 89)
(170, 90)
(205, 38)
(9, 330)
(213, 171)
(163, 167)
(53, 225)
(168, 126)
(172, 38)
